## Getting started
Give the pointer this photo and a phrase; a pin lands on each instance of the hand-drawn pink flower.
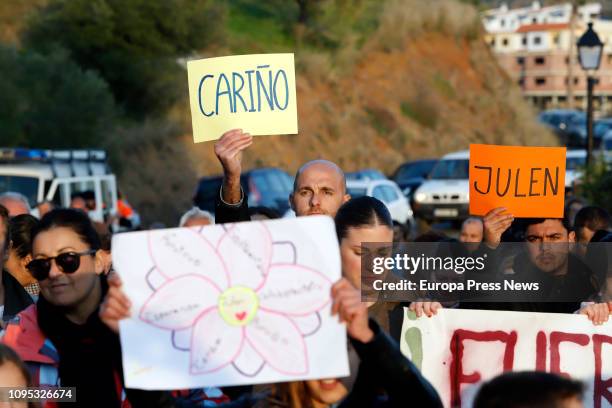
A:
(233, 298)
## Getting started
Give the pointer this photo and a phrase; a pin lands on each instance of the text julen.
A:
(532, 182)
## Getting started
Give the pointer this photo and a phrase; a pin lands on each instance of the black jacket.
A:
(225, 213)
(557, 294)
(384, 367)
(15, 296)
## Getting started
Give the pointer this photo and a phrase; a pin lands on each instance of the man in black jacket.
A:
(319, 187)
(565, 280)
(13, 297)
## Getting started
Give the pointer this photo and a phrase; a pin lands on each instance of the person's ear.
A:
(99, 262)
(572, 236)
(24, 261)
(346, 198)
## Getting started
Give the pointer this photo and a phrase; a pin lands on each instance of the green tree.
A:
(134, 44)
(49, 101)
(598, 188)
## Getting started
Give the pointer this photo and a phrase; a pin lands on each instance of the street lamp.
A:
(589, 55)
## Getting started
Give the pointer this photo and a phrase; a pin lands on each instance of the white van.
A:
(48, 175)
(445, 195)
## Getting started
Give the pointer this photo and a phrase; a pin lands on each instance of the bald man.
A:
(471, 233)
(319, 187)
(15, 203)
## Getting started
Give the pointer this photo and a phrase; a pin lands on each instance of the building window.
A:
(576, 80)
(537, 40)
(524, 40)
(534, 20)
(521, 81)
(566, 60)
(520, 60)
(556, 39)
(540, 60)
(540, 81)
(502, 23)
(505, 42)
(493, 42)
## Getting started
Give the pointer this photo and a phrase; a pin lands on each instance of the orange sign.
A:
(528, 181)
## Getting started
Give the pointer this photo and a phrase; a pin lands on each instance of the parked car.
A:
(386, 191)
(410, 175)
(266, 187)
(366, 174)
(600, 128)
(569, 125)
(445, 194)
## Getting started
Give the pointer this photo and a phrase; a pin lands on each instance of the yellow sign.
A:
(255, 93)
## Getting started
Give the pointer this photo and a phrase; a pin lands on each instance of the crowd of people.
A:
(61, 301)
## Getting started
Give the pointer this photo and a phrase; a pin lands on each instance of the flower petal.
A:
(246, 249)
(182, 251)
(249, 362)
(279, 342)
(179, 301)
(214, 343)
(294, 290)
(308, 325)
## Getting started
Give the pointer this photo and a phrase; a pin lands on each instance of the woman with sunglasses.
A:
(61, 337)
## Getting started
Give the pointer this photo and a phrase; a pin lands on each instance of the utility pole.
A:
(571, 56)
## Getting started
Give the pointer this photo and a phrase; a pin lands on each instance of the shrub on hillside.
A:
(403, 19)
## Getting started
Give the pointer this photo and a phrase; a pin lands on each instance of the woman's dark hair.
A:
(21, 232)
(4, 224)
(361, 212)
(76, 220)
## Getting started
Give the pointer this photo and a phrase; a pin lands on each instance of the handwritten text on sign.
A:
(457, 349)
(255, 93)
(237, 304)
(528, 181)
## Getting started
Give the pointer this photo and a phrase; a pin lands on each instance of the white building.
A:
(505, 20)
(536, 47)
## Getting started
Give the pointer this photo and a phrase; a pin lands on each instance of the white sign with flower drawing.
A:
(231, 304)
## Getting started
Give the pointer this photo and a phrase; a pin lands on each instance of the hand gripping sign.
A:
(458, 349)
(527, 181)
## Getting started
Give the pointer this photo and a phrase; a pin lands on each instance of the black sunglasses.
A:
(68, 262)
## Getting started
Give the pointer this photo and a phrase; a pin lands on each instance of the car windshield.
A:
(451, 169)
(356, 192)
(578, 120)
(273, 182)
(28, 186)
(415, 170)
(608, 144)
(270, 188)
(574, 163)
